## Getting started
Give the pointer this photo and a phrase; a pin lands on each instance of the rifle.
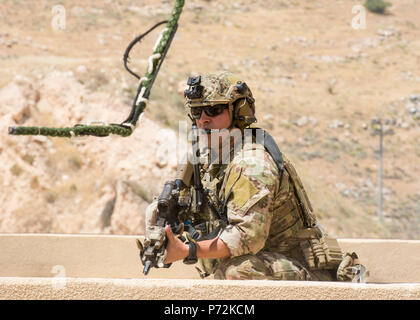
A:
(170, 206)
(153, 253)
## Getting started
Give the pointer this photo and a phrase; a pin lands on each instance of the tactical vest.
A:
(319, 250)
(294, 223)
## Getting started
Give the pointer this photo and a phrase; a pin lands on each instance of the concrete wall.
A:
(81, 256)
(188, 289)
(51, 266)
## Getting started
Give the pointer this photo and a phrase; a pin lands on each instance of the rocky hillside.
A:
(320, 85)
(85, 184)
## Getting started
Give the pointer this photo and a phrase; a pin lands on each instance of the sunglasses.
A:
(211, 111)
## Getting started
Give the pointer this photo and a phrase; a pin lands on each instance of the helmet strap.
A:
(234, 116)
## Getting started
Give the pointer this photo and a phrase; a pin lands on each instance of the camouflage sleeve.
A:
(254, 182)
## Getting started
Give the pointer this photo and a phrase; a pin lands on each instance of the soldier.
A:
(266, 228)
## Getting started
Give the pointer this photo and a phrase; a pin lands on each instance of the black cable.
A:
(131, 45)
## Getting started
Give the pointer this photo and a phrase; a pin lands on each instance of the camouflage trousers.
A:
(268, 266)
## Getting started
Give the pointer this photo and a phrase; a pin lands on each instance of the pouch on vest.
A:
(323, 253)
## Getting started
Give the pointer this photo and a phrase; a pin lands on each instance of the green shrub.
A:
(377, 6)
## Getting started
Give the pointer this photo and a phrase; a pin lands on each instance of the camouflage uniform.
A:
(263, 218)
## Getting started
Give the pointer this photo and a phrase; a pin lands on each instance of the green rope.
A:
(78, 130)
(126, 128)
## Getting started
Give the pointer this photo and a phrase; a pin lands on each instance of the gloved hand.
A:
(350, 269)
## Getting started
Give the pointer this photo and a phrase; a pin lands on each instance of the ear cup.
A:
(244, 112)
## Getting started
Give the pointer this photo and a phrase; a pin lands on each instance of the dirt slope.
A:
(317, 81)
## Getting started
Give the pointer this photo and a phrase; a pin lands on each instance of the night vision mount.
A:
(195, 91)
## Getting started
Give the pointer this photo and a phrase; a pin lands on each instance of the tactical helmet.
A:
(222, 88)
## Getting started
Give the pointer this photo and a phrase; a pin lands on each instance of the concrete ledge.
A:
(79, 256)
(172, 289)
(109, 256)
(56, 266)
